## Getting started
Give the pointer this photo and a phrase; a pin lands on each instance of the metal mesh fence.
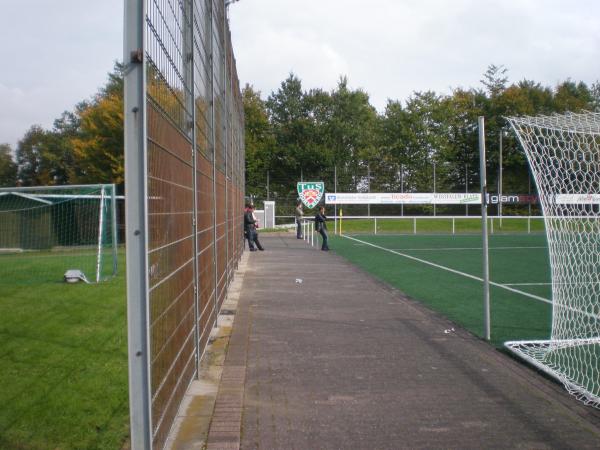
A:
(191, 136)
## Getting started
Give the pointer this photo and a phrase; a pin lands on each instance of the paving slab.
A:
(342, 360)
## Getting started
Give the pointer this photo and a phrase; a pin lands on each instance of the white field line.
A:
(448, 269)
(528, 284)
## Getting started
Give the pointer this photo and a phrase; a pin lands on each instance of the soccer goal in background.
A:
(46, 231)
(564, 154)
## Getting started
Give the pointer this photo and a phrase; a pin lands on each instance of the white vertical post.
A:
(486, 267)
(115, 236)
(453, 226)
(100, 235)
(375, 225)
(528, 224)
(415, 225)
(312, 234)
(136, 225)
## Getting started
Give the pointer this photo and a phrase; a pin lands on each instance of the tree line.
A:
(339, 137)
(318, 135)
(84, 146)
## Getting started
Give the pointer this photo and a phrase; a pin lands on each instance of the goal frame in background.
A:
(57, 195)
(554, 147)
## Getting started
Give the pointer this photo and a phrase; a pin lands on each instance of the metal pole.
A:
(529, 190)
(335, 206)
(486, 268)
(466, 188)
(369, 189)
(268, 193)
(188, 42)
(227, 141)
(136, 214)
(434, 209)
(214, 167)
(402, 188)
(500, 178)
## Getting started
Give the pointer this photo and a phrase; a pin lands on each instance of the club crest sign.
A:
(311, 192)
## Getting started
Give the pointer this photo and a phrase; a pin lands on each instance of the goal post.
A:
(47, 230)
(563, 152)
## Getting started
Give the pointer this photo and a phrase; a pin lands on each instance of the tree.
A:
(495, 79)
(259, 140)
(98, 146)
(349, 135)
(572, 97)
(33, 158)
(595, 93)
(8, 167)
(297, 150)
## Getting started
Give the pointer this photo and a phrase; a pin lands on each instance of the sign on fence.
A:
(310, 193)
(430, 198)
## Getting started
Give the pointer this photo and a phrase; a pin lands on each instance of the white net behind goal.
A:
(564, 155)
(46, 231)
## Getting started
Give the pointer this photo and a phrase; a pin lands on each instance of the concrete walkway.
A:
(323, 356)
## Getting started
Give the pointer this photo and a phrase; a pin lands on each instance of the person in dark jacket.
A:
(321, 227)
(250, 225)
(299, 215)
(248, 220)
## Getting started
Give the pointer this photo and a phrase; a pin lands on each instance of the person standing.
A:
(321, 227)
(299, 216)
(250, 224)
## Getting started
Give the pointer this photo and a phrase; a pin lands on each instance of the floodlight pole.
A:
(369, 188)
(335, 205)
(500, 177)
(486, 266)
(466, 188)
(402, 188)
(434, 210)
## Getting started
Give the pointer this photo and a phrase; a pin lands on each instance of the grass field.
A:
(444, 272)
(63, 360)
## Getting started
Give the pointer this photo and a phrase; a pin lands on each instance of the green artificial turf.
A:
(63, 359)
(513, 259)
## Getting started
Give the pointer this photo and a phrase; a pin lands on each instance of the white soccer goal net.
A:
(564, 154)
(47, 231)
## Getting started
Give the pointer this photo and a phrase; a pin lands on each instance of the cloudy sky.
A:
(57, 53)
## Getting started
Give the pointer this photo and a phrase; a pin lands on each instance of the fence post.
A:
(486, 267)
